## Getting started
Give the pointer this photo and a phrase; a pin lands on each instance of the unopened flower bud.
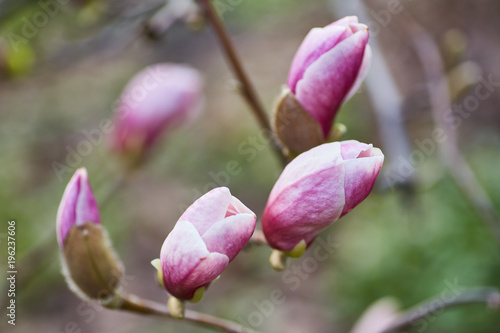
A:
(209, 235)
(316, 189)
(159, 98)
(326, 71)
(90, 265)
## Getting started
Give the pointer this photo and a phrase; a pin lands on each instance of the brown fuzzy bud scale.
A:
(90, 265)
(294, 127)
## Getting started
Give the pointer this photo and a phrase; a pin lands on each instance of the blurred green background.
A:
(408, 242)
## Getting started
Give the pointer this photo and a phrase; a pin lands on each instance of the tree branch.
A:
(488, 296)
(440, 100)
(247, 90)
(137, 305)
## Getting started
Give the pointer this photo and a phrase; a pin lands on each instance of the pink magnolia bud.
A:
(209, 234)
(157, 99)
(77, 207)
(90, 266)
(329, 67)
(316, 189)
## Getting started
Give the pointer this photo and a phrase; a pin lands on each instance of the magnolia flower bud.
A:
(326, 71)
(90, 265)
(208, 236)
(157, 99)
(316, 189)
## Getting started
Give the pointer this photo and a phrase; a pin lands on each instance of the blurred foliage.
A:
(389, 246)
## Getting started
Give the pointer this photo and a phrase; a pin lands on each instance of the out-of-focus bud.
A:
(174, 10)
(90, 265)
(208, 236)
(378, 316)
(327, 70)
(316, 189)
(157, 99)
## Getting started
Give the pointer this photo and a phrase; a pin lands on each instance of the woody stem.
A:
(132, 303)
(488, 296)
(247, 89)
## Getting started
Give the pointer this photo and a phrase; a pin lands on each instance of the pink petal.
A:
(351, 149)
(363, 71)
(230, 235)
(308, 196)
(236, 207)
(360, 176)
(182, 252)
(158, 98)
(207, 271)
(77, 206)
(86, 208)
(209, 209)
(317, 42)
(324, 156)
(327, 81)
(301, 210)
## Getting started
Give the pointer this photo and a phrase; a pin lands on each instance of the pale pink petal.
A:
(304, 208)
(361, 173)
(187, 267)
(209, 209)
(350, 149)
(308, 196)
(324, 156)
(236, 207)
(230, 235)
(181, 253)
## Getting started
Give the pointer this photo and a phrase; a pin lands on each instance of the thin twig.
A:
(137, 305)
(488, 296)
(247, 89)
(440, 100)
